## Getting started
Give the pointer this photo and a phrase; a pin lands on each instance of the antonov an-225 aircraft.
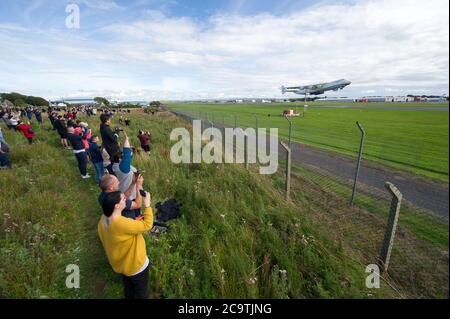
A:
(316, 89)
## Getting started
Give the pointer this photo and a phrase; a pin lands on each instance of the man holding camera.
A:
(110, 183)
(123, 169)
(110, 141)
(124, 243)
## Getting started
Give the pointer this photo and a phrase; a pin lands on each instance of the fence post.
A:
(288, 170)
(256, 137)
(224, 142)
(235, 121)
(211, 123)
(246, 150)
(391, 226)
(290, 130)
(358, 165)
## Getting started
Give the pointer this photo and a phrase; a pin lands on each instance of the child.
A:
(97, 159)
(27, 131)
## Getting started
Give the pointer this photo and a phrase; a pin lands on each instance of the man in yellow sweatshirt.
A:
(124, 244)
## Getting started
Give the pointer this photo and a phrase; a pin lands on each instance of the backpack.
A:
(168, 210)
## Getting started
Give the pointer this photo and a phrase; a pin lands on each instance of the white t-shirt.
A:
(147, 261)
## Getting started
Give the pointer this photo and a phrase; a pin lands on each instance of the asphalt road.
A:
(421, 192)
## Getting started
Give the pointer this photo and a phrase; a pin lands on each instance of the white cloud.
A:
(398, 45)
(105, 5)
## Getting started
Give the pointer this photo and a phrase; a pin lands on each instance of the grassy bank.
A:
(237, 237)
(419, 260)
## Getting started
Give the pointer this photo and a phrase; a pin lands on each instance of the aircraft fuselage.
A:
(317, 89)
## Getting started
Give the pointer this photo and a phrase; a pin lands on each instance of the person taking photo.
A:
(124, 244)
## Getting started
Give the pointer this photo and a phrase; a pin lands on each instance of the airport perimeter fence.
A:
(361, 216)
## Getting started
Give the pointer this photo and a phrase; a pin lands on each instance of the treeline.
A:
(124, 105)
(21, 100)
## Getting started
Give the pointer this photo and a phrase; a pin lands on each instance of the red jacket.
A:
(144, 139)
(26, 130)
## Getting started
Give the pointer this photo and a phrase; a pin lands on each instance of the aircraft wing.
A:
(293, 89)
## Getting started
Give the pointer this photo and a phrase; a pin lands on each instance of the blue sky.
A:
(154, 49)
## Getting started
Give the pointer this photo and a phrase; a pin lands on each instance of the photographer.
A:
(110, 184)
(123, 169)
(110, 142)
(124, 244)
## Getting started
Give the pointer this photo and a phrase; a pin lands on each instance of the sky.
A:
(195, 49)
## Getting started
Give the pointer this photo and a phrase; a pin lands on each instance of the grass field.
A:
(415, 141)
(237, 238)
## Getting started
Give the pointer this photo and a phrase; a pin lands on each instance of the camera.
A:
(118, 130)
(137, 173)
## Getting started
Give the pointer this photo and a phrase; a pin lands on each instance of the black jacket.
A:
(109, 140)
(76, 141)
(60, 126)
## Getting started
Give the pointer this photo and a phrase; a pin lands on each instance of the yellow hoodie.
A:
(124, 243)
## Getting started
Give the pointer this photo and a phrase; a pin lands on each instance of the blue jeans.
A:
(99, 171)
(82, 162)
(4, 160)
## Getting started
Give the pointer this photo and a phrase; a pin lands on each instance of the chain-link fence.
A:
(352, 202)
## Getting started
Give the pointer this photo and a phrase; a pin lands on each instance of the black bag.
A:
(4, 147)
(168, 210)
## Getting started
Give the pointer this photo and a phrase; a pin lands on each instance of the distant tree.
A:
(20, 103)
(21, 99)
(155, 104)
(38, 101)
(102, 100)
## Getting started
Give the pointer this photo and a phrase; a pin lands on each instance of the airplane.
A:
(316, 89)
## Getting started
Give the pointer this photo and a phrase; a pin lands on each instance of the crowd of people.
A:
(18, 120)
(127, 212)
